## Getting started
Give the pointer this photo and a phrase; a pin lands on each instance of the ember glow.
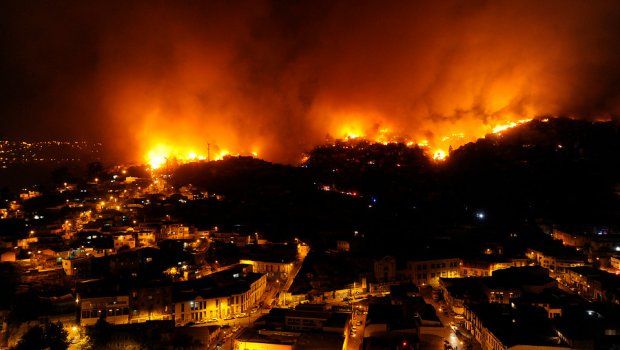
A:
(162, 154)
(197, 80)
(499, 128)
(159, 155)
(436, 149)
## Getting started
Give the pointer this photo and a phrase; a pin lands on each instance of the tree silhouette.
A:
(47, 336)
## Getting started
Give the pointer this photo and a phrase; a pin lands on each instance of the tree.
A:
(51, 336)
(101, 333)
(33, 339)
(62, 174)
(56, 336)
(85, 343)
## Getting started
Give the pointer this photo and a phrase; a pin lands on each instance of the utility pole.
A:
(208, 152)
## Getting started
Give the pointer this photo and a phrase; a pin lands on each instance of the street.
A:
(451, 334)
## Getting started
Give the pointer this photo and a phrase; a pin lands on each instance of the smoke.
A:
(276, 77)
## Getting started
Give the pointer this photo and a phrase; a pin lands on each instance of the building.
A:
(136, 262)
(224, 294)
(125, 240)
(385, 269)
(309, 326)
(502, 288)
(485, 265)
(150, 303)
(113, 308)
(556, 260)
(145, 238)
(175, 231)
(590, 326)
(429, 271)
(343, 246)
(77, 267)
(237, 239)
(274, 260)
(594, 284)
(273, 269)
(263, 339)
(312, 319)
(572, 239)
(392, 326)
(502, 327)
(555, 301)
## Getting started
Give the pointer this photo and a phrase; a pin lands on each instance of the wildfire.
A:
(158, 156)
(439, 155)
(455, 136)
(350, 132)
(221, 155)
(161, 155)
(501, 127)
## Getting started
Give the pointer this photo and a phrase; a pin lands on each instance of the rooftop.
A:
(524, 325)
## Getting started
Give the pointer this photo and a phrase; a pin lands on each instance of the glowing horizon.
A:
(162, 153)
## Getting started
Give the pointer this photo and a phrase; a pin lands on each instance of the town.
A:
(128, 257)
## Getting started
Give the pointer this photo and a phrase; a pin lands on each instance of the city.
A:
(310, 174)
(130, 257)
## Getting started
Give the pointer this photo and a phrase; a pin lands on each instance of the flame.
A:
(162, 154)
(501, 127)
(222, 154)
(157, 156)
(351, 132)
(354, 127)
(452, 135)
(439, 155)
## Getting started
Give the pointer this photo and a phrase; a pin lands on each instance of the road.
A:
(227, 340)
(358, 319)
(451, 333)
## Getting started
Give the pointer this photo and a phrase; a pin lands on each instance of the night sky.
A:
(276, 77)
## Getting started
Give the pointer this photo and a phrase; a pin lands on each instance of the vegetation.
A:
(47, 336)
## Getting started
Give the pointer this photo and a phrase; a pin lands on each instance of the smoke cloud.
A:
(276, 77)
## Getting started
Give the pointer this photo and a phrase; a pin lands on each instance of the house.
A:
(385, 269)
(224, 294)
(428, 271)
(502, 327)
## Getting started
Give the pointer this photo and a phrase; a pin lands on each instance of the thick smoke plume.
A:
(276, 77)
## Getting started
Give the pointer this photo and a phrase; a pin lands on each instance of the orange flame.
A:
(453, 136)
(439, 155)
(352, 128)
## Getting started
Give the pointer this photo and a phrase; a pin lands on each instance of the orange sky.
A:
(275, 78)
